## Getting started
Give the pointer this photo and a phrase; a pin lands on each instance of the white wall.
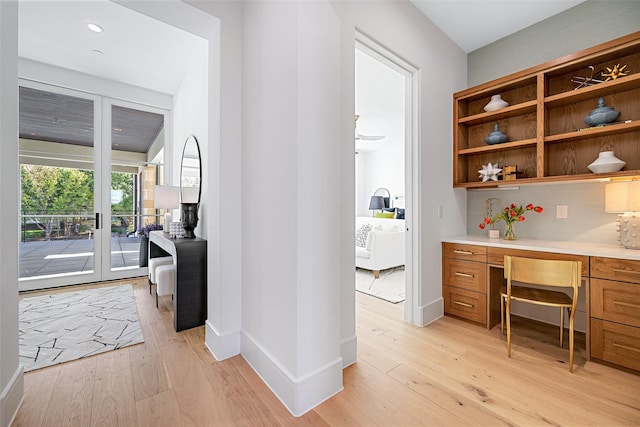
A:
(403, 30)
(290, 321)
(11, 372)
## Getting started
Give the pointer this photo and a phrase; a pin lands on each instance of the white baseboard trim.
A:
(11, 397)
(431, 312)
(222, 346)
(298, 395)
(349, 351)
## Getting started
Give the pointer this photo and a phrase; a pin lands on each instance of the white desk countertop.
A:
(562, 247)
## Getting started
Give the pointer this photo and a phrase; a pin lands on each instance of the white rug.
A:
(67, 326)
(389, 286)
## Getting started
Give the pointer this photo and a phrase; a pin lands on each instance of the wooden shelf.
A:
(551, 142)
(498, 147)
(503, 113)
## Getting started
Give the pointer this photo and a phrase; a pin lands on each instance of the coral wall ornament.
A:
(489, 172)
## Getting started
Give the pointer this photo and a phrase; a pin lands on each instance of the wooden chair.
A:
(542, 272)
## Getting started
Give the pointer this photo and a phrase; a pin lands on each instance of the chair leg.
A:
(376, 274)
(502, 314)
(149, 280)
(561, 327)
(156, 299)
(508, 316)
(571, 342)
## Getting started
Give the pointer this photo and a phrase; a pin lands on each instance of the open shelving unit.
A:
(548, 138)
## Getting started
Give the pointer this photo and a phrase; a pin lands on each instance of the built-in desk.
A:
(472, 274)
(190, 278)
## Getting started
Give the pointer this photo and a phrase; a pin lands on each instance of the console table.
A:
(190, 278)
(472, 274)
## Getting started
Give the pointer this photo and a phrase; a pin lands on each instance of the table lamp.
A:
(166, 197)
(624, 197)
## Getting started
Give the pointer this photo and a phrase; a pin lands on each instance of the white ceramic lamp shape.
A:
(624, 197)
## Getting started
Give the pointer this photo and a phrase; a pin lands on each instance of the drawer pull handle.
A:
(457, 273)
(615, 344)
(622, 270)
(464, 304)
(458, 251)
(626, 304)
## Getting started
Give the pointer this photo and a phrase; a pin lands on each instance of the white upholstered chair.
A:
(165, 279)
(154, 263)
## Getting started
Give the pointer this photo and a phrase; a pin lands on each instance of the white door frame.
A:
(411, 73)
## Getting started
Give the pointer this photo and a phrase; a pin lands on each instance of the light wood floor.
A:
(450, 373)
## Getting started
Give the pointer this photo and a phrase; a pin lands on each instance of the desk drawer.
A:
(495, 256)
(615, 301)
(467, 252)
(624, 270)
(465, 274)
(615, 343)
(466, 304)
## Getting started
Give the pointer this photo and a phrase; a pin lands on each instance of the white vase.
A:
(496, 103)
(606, 163)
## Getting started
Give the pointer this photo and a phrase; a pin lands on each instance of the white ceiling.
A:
(136, 49)
(141, 51)
(472, 24)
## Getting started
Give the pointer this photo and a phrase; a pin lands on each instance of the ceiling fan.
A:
(364, 137)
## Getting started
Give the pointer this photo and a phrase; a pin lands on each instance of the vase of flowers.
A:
(510, 215)
(143, 258)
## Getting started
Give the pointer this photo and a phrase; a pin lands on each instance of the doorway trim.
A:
(413, 273)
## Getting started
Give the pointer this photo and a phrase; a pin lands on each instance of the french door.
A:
(86, 177)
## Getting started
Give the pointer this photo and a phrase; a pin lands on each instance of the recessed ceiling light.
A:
(117, 129)
(94, 27)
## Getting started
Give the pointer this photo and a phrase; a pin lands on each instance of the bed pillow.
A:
(361, 235)
(385, 215)
(399, 213)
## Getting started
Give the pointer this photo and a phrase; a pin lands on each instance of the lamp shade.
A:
(166, 197)
(377, 202)
(622, 196)
(190, 194)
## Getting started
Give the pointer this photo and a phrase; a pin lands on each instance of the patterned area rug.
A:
(389, 287)
(67, 326)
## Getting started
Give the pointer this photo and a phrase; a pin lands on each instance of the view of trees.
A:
(61, 199)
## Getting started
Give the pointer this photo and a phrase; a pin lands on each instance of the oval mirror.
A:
(190, 172)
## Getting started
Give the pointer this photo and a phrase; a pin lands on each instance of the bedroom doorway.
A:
(384, 155)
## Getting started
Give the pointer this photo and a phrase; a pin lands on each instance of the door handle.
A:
(97, 221)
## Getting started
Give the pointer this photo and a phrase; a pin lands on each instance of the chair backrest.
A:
(544, 272)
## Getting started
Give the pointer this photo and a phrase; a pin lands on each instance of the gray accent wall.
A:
(580, 27)
(588, 24)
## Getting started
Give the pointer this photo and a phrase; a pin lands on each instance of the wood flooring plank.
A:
(40, 385)
(71, 402)
(113, 402)
(160, 410)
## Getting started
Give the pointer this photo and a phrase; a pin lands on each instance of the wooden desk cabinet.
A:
(190, 278)
(615, 311)
(472, 275)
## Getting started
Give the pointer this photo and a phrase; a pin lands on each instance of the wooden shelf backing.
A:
(593, 92)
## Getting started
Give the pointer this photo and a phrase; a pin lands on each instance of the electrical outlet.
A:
(562, 211)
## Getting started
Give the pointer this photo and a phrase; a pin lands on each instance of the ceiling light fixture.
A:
(95, 28)
(97, 52)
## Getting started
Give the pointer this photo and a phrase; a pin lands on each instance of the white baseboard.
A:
(298, 395)
(11, 397)
(431, 312)
(349, 351)
(222, 346)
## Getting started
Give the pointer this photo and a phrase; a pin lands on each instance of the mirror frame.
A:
(184, 149)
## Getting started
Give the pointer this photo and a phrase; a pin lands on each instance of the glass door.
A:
(89, 166)
(59, 187)
(134, 149)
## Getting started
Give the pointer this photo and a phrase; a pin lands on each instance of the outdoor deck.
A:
(43, 258)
